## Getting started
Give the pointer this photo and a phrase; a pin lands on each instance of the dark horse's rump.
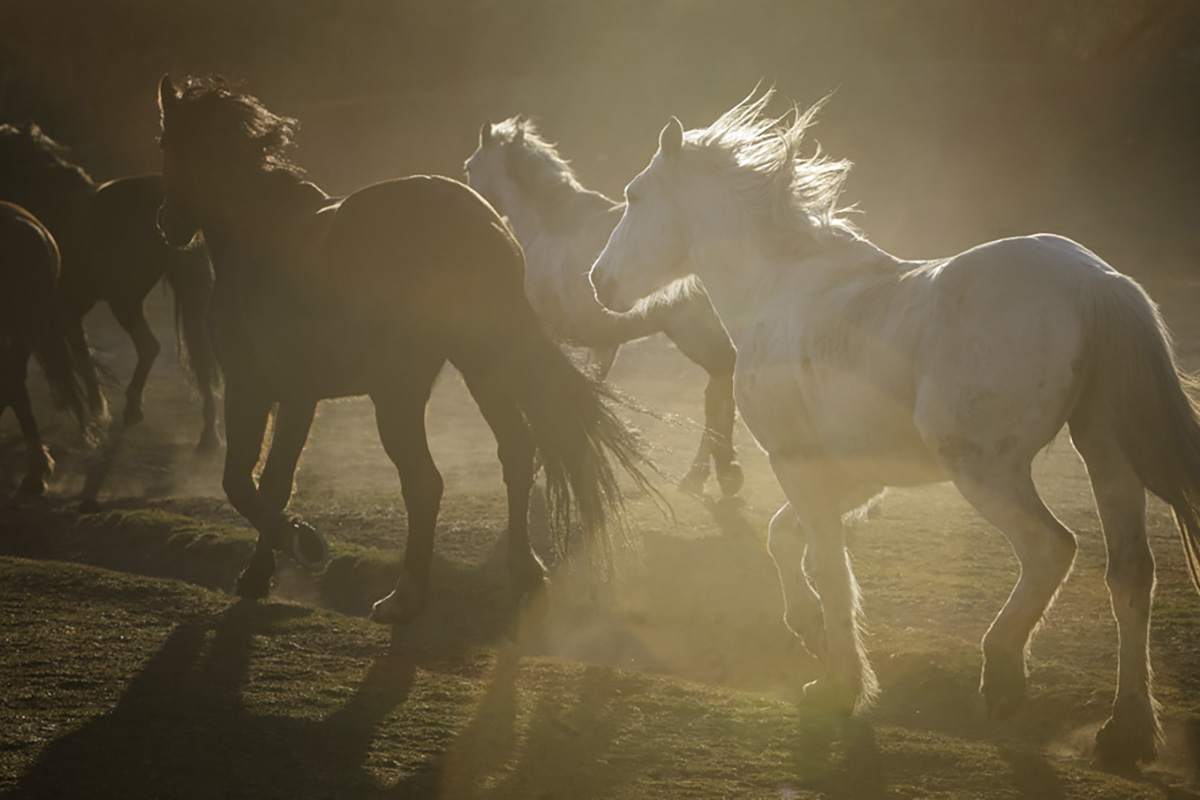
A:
(112, 252)
(30, 323)
(316, 298)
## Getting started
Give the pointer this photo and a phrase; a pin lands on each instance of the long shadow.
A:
(564, 749)
(181, 728)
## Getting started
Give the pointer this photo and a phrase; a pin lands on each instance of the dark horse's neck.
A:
(269, 211)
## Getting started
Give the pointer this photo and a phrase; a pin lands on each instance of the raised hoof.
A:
(730, 478)
(830, 696)
(400, 607)
(693, 482)
(307, 546)
(254, 583)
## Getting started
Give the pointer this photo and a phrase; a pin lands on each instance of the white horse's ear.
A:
(166, 94)
(485, 133)
(670, 141)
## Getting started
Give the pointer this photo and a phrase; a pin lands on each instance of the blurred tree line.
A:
(970, 117)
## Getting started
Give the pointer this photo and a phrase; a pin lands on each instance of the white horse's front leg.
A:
(849, 683)
(802, 612)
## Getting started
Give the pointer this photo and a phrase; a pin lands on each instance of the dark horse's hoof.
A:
(730, 478)
(89, 505)
(254, 583)
(307, 546)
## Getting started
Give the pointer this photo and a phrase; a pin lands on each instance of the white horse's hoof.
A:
(308, 547)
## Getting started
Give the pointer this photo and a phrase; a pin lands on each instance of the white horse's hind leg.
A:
(1006, 497)
(849, 683)
(802, 608)
(1132, 733)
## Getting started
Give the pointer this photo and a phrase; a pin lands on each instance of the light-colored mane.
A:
(760, 155)
(545, 177)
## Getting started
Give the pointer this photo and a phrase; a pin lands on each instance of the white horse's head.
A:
(648, 249)
(485, 168)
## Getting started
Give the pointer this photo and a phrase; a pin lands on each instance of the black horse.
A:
(112, 251)
(318, 297)
(31, 324)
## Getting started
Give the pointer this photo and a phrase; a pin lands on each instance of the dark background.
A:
(968, 119)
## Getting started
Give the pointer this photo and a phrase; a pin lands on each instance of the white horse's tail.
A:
(1133, 372)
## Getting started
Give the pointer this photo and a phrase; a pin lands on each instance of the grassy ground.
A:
(675, 680)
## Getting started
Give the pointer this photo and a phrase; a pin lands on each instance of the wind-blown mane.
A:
(28, 154)
(236, 125)
(761, 155)
(536, 167)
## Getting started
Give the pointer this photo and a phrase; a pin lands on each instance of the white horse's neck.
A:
(742, 271)
(532, 211)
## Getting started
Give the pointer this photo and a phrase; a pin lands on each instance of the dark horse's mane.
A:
(235, 124)
(28, 153)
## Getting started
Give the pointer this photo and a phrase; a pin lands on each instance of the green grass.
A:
(125, 686)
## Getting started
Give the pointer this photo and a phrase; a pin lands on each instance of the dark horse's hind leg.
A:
(400, 417)
(132, 318)
(692, 324)
(516, 450)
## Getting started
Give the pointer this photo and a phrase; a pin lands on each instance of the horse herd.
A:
(854, 370)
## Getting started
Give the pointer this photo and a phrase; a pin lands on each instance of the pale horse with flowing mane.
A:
(857, 371)
(562, 226)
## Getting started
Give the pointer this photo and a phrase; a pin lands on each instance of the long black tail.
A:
(1158, 421)
(48, 333)
(578, 436)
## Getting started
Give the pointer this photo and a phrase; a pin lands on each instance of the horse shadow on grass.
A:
(181, 728)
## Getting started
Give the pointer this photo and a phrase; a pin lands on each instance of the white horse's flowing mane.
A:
(760, 155)
(533, 160)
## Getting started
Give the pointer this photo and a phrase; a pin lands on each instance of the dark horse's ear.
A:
(670, 141)
(166, 94)
(485, 133)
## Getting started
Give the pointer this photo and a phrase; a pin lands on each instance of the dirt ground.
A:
(699, 601)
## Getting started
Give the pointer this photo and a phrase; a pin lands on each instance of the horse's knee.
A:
(1130, 578)
(785, 538)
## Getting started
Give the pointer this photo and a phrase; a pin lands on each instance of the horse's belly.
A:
(864, 430)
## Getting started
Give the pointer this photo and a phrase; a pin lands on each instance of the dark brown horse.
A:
(317, 297)
(111, 251)
(31, 324)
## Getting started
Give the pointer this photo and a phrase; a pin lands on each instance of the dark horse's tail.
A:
(33, 252)
(578, 435)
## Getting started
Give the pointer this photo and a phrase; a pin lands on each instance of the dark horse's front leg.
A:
(246, 415)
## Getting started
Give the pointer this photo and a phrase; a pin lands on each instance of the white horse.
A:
(562, 227)
(857, 371)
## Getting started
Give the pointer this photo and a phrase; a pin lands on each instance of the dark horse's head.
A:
(35, 172)
(214, 142)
